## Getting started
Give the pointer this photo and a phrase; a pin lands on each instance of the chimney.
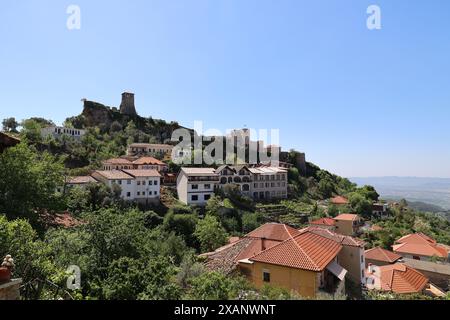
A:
(127, 106)
(263, 244)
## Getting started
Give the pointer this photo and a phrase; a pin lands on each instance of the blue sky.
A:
(358, 102)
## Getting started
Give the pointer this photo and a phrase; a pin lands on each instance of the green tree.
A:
(216, 286)
(10, 124)
(360, 204)
(28, 181)
(210, 233)
(32, 257)
(183, 225)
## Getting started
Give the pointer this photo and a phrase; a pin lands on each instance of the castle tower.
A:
(127, 105)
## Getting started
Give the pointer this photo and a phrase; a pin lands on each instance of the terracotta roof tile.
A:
(347, 217)
(274, 231)
(324, 222)
(339, 200)
(307, 251)
(142, 173)
(114, 175)
(339, 238)
(380, 254)
(421, 245)
(400, 278)
(117, 161)
(81, 180)
(149, 161)
(266, 236)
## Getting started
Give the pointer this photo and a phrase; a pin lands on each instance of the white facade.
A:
(149, 149)
(269, 183)
(195, 186)
(239, 175)
(143, 186)
(147, 185)
(58, 132)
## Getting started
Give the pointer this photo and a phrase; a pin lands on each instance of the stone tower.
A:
(127, 106)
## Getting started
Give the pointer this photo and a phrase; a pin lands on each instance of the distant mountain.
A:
(434, 191)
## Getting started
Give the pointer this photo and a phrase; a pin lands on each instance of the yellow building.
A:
(306, 264)
(347, 224)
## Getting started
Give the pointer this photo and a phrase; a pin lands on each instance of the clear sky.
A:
(358, 102)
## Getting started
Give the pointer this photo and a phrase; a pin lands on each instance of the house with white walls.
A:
(195, 186)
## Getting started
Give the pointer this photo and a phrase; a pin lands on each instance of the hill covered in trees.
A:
(130, 252)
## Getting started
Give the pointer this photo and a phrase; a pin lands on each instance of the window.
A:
(128, 181)
(416, 257)
(138, 193)
(207, 186)
(194, 198)
(266, 276)
(195, 187)
(362, 258)
(155, 182)
(138, 183)
(143, 183)
(150, 183)
(120, 182)
(143, 193)
(128, 194)
(207, 197)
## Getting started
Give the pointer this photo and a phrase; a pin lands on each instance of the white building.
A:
(195, 186)
(142, 163)
(58, 132)
(143, 186)
(269, 183)
(149, 149)
(147, 185)
(237, 175)
(117, 164)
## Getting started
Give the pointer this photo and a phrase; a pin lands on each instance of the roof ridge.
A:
(288, 232)
(303, 251)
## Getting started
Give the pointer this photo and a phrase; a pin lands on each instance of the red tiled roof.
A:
(421, 249)
(324, 222)
(307, 251)
(266, 236)
(339, 238)
(81, 180)
(400, 278)
(421, 245)
(274, 231)
(148, 160)
(113, 174)
(347, 217)
(380, 254)
(117, 161)
(416, 238)
(143, 173)
(339, 200)
(226, 258)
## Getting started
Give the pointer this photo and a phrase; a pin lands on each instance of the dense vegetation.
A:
(126, 252)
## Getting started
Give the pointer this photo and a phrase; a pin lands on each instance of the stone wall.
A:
(10, 290)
